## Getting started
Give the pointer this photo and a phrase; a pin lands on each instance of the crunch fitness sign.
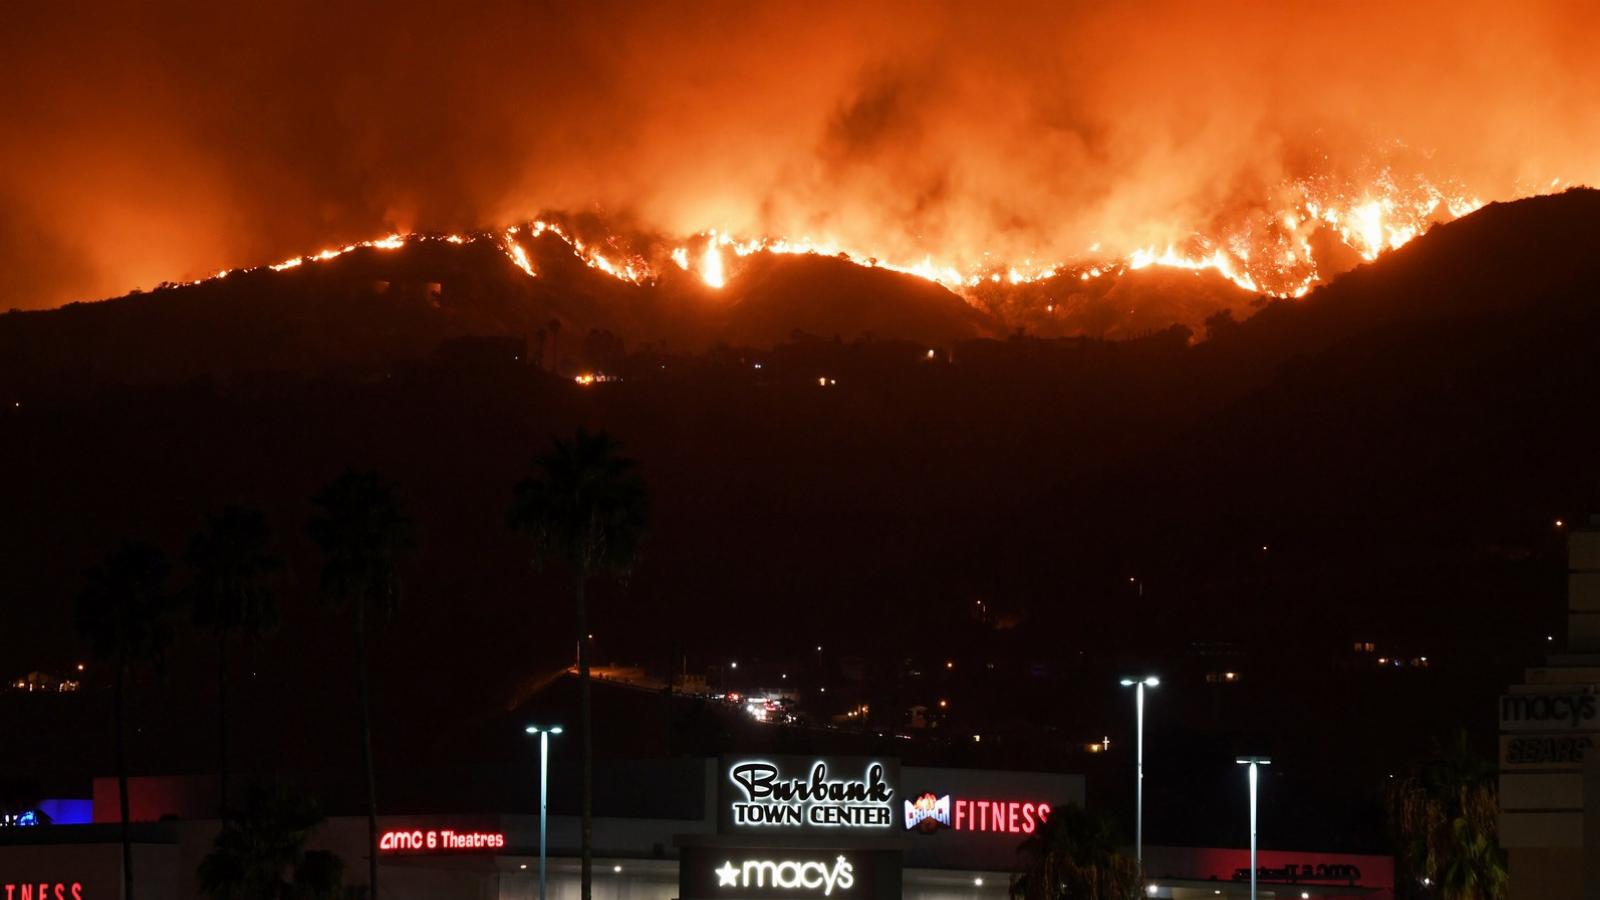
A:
(802, 794)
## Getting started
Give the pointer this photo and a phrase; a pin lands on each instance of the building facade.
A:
(1549, 776)
(734, 828)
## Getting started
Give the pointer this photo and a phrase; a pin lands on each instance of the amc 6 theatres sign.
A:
(795, 794)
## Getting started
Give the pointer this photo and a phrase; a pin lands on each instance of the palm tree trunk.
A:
(222, 726)
(584, 718)
(122, 780)
(366, 748)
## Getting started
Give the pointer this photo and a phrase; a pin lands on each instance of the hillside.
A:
(373, 308)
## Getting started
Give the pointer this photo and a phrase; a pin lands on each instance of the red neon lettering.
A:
(435, 839)
(27, 892)
(1004, 816)
(77, 890)
(61, 891)
(9, 889)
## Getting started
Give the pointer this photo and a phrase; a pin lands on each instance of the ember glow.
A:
(1270, 252)
(1273, 144)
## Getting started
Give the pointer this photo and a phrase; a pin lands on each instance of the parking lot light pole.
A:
(1254, 762)
(1138, 685)
(544, 794)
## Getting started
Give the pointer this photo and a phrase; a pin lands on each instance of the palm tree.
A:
(229, 566)
(1074, 855)
(362, 532)
(585, 506)
(261, 854)
(1443, 819)
(124, 613)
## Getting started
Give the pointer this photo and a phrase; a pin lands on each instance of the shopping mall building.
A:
(735, 828)
(1549, 772)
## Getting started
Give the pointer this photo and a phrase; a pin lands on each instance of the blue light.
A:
(68, 811)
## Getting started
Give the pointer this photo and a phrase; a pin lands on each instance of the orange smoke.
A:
(1274, 143)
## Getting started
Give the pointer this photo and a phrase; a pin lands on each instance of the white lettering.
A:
(788, 874)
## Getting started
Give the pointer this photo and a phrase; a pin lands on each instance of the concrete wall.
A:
(91, 871)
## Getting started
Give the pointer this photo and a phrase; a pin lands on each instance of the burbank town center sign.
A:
(799, 828)
(767, 794)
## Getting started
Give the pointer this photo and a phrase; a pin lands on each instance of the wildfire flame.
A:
(711, 265)
(1266, 252)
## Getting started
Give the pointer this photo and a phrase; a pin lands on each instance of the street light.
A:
(1138, 685)
(1254, 762)
(544, 783)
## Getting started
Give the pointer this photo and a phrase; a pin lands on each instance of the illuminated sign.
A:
(439, 839)
(1302, 872)
(716, 871)
(929, 813)
(780, 794)
(21, 819)
(44, 890)
(1579, 711)
(1544, 751)
(789, 874)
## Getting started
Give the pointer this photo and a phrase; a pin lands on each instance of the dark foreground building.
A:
(735, 828)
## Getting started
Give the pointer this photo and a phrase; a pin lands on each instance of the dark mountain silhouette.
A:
(775, 296)
(372, 308)
(1123, 305)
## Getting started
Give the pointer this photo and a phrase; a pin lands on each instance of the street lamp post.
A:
(1254, 762)
(1138, 685)
(544, 794)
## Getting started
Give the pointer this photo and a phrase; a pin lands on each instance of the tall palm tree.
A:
(1443, 818)
(261, 853)
(1075, 855)
(585, 506)
(229, 565)
(125, 614)
(362, 533)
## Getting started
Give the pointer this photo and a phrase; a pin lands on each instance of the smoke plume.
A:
(168, 141)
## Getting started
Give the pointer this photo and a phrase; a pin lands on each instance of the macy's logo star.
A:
(727, 876)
